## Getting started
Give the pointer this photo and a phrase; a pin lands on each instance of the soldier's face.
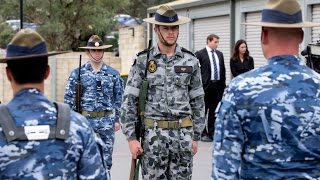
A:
(168, 35)
(96, 55)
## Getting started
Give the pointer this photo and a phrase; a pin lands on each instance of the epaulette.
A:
(187, 51)
(142, 52)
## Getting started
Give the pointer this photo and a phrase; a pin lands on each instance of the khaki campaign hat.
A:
(282, 14)
(27, 44)
(95, 42)
(167, 16)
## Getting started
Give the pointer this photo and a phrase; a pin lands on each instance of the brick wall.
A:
(61, 67)
(131, 41)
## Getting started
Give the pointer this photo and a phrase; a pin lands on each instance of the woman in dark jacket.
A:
(240, 61)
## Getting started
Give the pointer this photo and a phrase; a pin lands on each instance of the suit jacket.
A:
(204, 59)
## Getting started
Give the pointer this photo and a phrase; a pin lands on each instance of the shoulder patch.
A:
(187, 51)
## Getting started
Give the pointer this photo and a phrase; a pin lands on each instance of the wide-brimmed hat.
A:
(95, 42)
(167, 16)
(27, 44)
(282, 14)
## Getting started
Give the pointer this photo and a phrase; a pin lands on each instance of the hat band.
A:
(165, 19)
(273, 16)
(14, 50)
(94, 44)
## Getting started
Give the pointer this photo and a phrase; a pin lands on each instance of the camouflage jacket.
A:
(268, 123)
(175, 90)
(101, 90)
(76, 157)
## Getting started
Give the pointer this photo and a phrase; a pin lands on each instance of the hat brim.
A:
(182, 20)
(281, 25)
(99, 47)
(4, 60)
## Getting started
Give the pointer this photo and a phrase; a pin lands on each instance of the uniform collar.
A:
(22, 92)
(88, 66)
(285, 58)
(178, 52)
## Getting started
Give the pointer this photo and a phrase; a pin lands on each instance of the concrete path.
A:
(122, 159)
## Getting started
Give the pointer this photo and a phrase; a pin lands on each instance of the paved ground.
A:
(122, 159)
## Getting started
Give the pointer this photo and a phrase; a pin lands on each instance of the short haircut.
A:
(28, 70)
(211, 37)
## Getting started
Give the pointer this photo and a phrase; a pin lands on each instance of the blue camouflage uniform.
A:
(101, 91)
(77, 157)
(268, 123)
(172, 95)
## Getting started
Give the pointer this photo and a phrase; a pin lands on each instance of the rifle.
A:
(135, 163)
(78, 90)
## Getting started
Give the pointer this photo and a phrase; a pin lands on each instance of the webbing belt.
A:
(168, 124)
(96, 113)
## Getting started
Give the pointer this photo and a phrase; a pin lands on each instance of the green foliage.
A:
(65, 24)
(6, 34)
(68, 24)
(138, 8)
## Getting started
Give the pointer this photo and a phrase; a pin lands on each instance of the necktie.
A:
(215, 67)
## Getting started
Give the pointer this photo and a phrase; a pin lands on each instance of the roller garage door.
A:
(253, 36)
(315, 18)
(219, 25)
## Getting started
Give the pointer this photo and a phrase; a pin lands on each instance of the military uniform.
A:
(77, 157)
(175, 93)
(268, 124)
(100, 102)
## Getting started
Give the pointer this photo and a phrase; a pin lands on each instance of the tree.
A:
(65, 24)
(6, 34)
(68, 24)
(138, 8)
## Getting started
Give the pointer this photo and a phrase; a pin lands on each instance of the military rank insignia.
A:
(152, 66)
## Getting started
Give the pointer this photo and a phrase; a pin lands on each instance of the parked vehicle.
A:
(15, 24)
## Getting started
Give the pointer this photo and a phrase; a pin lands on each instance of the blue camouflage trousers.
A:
(167, 154)
(107, 136)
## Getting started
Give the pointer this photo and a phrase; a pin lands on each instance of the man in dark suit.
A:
(213, 74)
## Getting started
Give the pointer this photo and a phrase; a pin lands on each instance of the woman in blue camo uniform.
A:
(268, 123)
(74, 157)
(174, 112)
(102, 89)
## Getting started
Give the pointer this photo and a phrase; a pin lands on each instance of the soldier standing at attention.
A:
(268, 123)
(101, 95)
(174, 112)
(40, 139)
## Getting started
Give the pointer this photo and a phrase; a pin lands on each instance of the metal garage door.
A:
(182, 39)
(315, 18)
(214, 25)
(253, 36)
(183, 31)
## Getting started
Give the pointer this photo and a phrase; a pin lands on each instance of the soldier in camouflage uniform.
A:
(174, 113)
(268, 123)
(102, 89)
(36, 157)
